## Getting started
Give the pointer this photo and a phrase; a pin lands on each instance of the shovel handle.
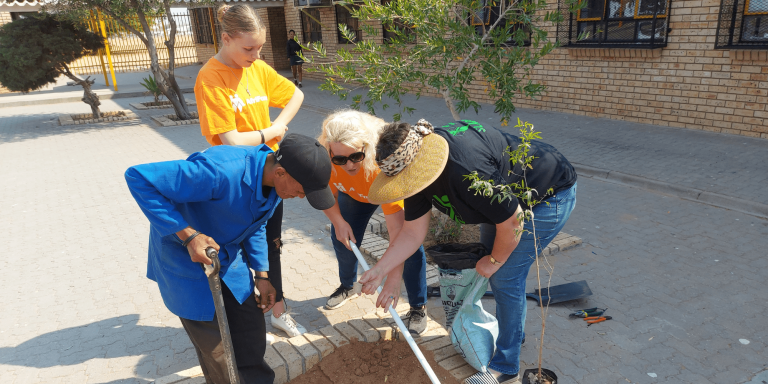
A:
(215, 266)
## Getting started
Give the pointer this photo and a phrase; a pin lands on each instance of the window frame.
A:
(388, 36)
(202, 19)
(605, 26)
(358, 32)
(308, 33)
(732, 20)
(491, 14)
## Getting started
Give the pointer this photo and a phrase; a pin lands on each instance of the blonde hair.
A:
(354, 129)
(239, 18)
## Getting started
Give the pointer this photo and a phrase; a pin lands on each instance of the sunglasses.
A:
(341, 160)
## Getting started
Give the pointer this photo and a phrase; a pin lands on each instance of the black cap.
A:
(308, 162)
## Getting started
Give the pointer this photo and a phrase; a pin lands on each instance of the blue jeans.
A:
(357, 215)
(508, 283)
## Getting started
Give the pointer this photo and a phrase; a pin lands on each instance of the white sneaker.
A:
(288, 325)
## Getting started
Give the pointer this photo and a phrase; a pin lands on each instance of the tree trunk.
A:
(449, 103)
(89, 97)
(161, 77)
(171, 43)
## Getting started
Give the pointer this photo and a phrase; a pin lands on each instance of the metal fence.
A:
(125, 52)
(615, 24)
(743, 24)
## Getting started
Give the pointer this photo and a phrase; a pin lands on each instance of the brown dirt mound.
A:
(382, 362)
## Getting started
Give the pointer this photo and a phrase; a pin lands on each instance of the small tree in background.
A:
(443, 46)
(135, 16)
(34, 52)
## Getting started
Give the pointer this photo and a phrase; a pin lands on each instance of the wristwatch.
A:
(493, 261)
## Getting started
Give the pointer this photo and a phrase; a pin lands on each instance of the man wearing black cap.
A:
(222, 198)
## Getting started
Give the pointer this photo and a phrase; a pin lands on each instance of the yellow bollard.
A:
(106, 49)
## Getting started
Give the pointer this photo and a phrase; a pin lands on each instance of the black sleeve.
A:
(417, 206)
(494, 211)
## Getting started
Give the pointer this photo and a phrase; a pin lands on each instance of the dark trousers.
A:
(248, 330)
(274, 244)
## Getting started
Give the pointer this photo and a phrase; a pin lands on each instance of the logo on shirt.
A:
(448, 208)
(459, 131)
(340, 187)
(237, 103)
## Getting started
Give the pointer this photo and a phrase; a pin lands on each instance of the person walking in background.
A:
(350, 138)
(222, 198)
(234, 91)
(293, 55)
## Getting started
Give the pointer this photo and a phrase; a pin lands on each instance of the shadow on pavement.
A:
(116, 337)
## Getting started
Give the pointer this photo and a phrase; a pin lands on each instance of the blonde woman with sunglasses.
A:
(350, 137)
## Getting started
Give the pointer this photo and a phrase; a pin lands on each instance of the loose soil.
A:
(157, 104)
(193, 115)
(86, 116)
(382, 362)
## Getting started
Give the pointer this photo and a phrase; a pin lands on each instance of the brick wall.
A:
(278, 34)
(204, 52)
(5, 17)
(687, 84)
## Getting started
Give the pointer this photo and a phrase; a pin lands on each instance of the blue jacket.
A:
(219, 193)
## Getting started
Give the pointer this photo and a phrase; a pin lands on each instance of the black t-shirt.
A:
(474, 147)
(293, 48)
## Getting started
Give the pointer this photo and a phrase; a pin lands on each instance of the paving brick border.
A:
(297, 355)
(167, 120)
(79, 119)
(142, 106)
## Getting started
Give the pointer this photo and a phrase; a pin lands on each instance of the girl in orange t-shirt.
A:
(350, 137)
(234, 91)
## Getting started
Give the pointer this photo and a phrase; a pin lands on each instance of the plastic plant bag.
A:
(473, 330)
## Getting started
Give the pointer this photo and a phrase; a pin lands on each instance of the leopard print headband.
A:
(408, 150)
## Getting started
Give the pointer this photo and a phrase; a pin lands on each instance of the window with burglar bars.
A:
(743, 24)
(201, 18)
(344, 17)
(389, 33)
(310, 26)
(616, 24)
(486, 15)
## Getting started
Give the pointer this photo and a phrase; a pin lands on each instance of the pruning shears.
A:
(588, 312)
(596, 319)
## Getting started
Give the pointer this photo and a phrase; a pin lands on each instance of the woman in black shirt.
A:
(427, 167)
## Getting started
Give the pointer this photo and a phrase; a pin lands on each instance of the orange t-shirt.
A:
(229, 99)
(357, 187)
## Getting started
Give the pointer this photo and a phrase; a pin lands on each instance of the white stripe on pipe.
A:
(403, 329)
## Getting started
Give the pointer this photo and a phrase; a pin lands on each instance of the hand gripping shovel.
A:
(212, 271)
(403, 329)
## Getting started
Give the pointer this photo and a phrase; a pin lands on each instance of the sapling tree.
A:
(500, 192)
(34, 52)
(135, 16)
(442, 46)
(445, 47)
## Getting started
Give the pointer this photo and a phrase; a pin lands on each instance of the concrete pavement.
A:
(683, 280)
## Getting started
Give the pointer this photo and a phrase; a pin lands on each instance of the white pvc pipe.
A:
(403, 329)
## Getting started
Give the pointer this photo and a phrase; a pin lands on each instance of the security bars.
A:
(616, 24)
(742, 24)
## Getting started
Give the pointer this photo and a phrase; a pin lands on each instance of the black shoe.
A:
(339, 297)
(417, 320)
(295, 82)
(300, 86)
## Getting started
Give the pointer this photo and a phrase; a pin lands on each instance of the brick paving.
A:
(684, 281)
